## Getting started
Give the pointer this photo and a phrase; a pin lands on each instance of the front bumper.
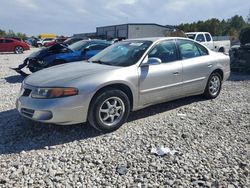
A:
(33, 65)
(62, 111)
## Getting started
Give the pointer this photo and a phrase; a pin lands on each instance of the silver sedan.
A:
(127, 76)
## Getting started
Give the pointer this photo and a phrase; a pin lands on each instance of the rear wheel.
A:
(222, 50)
(18, 50)
(213, 87)
(109, 110)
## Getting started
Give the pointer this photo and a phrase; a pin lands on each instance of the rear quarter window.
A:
(8, 41)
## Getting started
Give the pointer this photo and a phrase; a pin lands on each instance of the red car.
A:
(51, 43)
(13, 45)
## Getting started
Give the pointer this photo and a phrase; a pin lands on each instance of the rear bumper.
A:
(226, 75)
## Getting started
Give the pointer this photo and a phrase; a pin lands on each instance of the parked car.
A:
(42, 42)
(29, 41)
(60, 53)
(53, 42)
(13, 45)
(240, 53)
(206, 39)
(129, 75)
(72, 40)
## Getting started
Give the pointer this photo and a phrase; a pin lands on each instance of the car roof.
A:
(9, 38)
(155, 39)
(196, 32)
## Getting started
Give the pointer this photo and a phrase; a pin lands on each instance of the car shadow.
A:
(5, 53)
(19, 134)
(14, 79)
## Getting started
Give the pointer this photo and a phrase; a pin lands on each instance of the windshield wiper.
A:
(101, 62)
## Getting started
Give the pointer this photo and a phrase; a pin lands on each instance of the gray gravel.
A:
(212, 143)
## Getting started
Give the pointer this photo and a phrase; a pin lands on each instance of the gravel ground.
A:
(211, 138)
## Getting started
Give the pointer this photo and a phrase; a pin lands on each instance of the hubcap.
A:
(214, 85)
(111, 111)
(19, 50)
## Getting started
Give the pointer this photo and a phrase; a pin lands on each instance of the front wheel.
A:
(109, 110)
(213, 87)
(18, 50)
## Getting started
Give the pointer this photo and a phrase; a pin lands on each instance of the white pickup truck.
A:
(41, 42)
(206, 39)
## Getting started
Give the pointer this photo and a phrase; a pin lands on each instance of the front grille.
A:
(26, 92)
(27, 112)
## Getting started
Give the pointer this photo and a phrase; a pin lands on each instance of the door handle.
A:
(210, 65)
(176, 73)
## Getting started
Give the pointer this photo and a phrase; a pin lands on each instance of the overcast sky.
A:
(77, 16)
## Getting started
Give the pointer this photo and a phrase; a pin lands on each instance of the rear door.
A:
(196, 66)
(162, 81)
(9, 45)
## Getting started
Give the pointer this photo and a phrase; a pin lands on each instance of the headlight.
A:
(48, 93)
(40, 62)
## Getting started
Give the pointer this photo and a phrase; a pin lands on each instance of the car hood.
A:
(55, 49)
(66, 74)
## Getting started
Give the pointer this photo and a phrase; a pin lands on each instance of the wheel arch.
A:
(120, 86)
(221, 49)
(220, 71)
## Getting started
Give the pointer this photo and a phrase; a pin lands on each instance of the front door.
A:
(163, 81)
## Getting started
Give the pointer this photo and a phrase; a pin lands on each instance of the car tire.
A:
(109, 110)
(221, 50)
(18, 50)
(213, 86)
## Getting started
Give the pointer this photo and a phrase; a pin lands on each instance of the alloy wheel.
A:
(214, 85)
(111, 111)
(19, 50)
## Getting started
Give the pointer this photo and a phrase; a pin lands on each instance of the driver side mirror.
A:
(152, 61)
(85, 50)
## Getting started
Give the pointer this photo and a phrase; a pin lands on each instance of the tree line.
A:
(230, 27)
(11, 33)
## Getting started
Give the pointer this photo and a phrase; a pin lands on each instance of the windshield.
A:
(78, 45)
(191, 36)
(71, 41)
(122, 53)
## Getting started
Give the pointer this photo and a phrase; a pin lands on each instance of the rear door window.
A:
(202, 49)
(8, 40)
(188, 49)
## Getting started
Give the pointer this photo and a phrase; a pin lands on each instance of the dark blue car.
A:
(60, 53)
